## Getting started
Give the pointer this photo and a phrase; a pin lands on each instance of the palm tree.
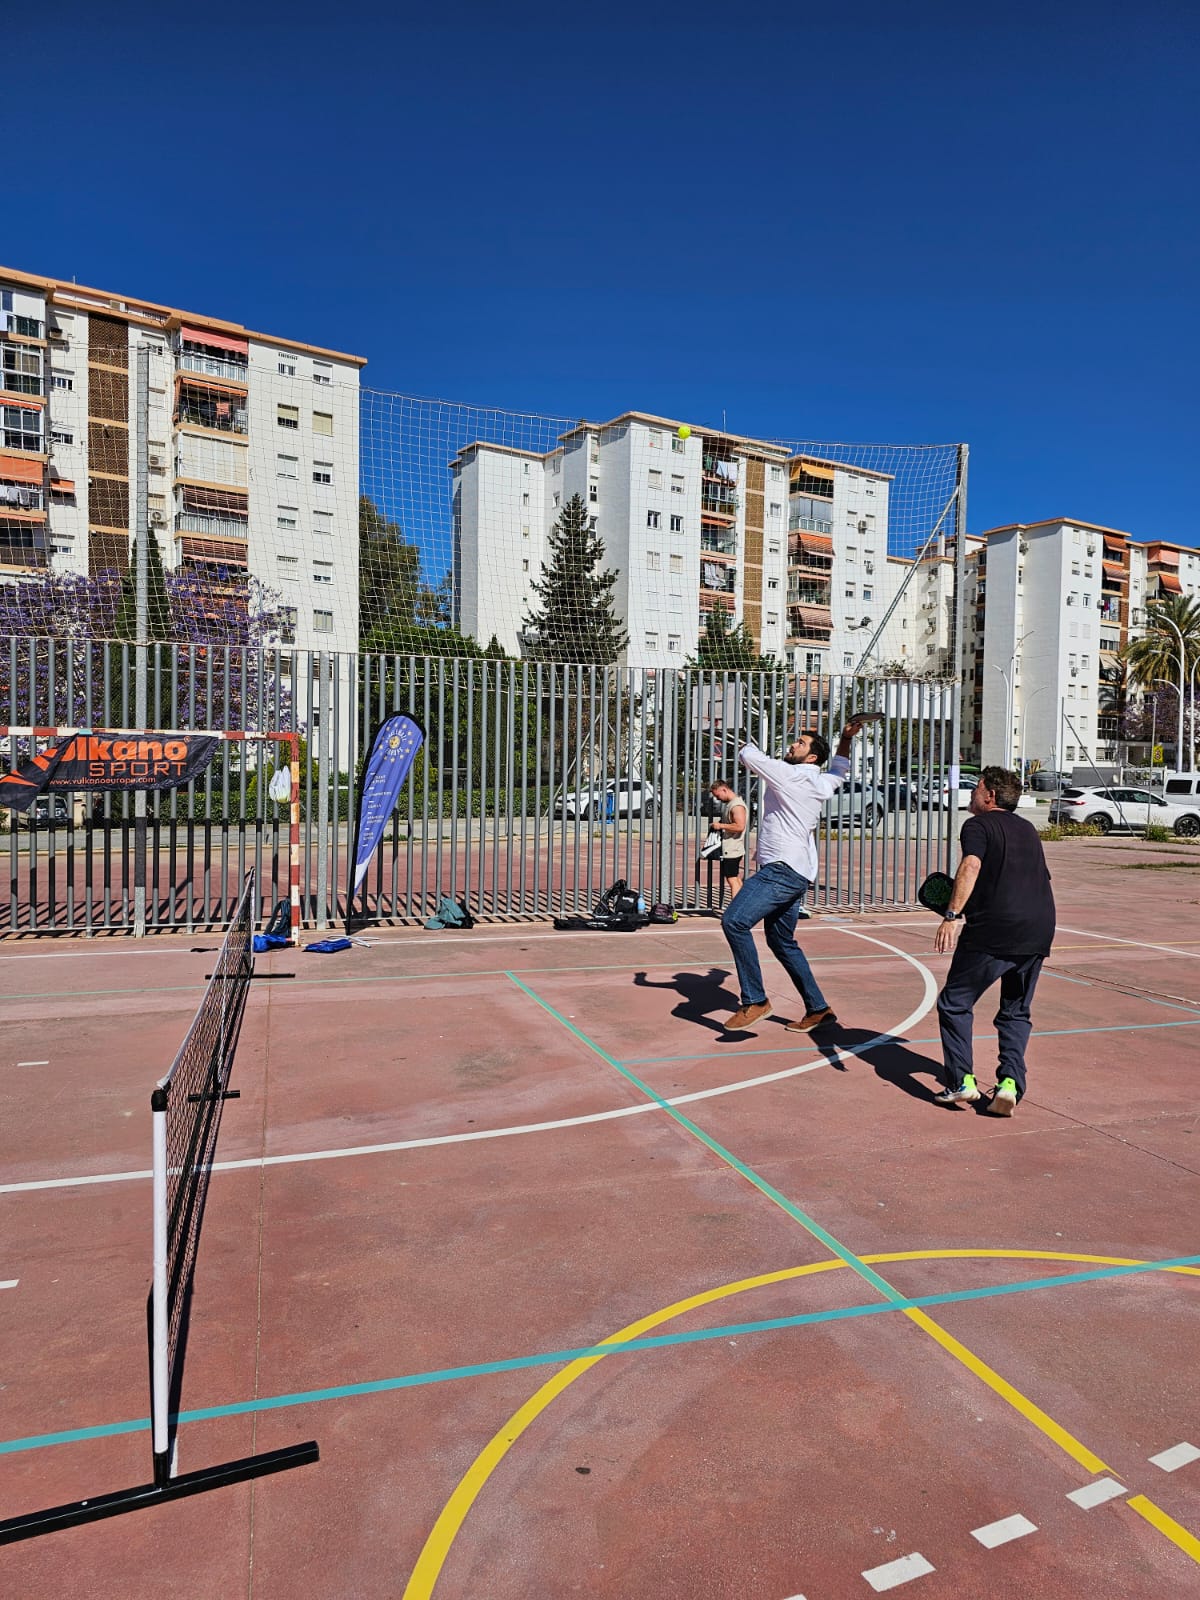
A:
(1156, 653)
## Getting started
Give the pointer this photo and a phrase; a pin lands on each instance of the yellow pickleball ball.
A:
(684, 431)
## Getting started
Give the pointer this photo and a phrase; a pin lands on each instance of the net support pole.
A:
(159, 1365)
(142, 626)
(294, 838)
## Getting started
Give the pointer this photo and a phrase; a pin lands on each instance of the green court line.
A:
(415, 1380)
(979, 1038)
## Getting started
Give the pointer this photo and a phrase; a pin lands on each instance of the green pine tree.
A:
(576, 621)
(389, 573)
(158, 607)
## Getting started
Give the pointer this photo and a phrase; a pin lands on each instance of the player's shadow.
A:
(891, 1059)
(701, 994)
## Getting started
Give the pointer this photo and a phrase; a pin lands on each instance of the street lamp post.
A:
(1183, 676)
(1025, 699)
(1179, 739)
(1010, 678)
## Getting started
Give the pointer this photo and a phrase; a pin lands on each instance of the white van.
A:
(1183, 789)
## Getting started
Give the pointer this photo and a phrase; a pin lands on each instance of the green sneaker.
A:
(1004, 1098)
(967, 1091)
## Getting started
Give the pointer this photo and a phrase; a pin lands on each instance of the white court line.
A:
(1095, 1494)
(9, 1283)
(894, 1573)
(1179, 1455)
(1139, 944)
(929, 995)
(997, 1533)
(33, 1063)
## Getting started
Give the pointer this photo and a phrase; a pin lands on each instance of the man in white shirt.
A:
(795, 791)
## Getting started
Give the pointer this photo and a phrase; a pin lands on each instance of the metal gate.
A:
(538, 785)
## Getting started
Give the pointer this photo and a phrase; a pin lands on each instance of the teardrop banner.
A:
(96, 760)
(392, 755)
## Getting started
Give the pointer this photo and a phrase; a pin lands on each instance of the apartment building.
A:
(1050, 606)
(690, 525)
(252, 449)
(849, 601)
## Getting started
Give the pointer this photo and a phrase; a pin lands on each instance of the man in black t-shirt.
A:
(1000, 926)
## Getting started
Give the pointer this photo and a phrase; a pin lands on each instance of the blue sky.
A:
(864, 222)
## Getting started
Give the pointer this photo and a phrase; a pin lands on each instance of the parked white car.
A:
(1117, 807)
(621, 797)
(935, 792)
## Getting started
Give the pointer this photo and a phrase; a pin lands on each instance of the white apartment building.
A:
(689, 525)
(843, 586)
(253, 451)
(796, 548)
(1052, 603)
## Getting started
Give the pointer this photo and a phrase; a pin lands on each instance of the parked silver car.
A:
(1117, 807)
(856, 805)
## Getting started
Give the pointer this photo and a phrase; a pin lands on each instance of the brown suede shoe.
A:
(747, 1017)
(811, 1020)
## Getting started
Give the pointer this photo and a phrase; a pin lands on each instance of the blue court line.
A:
(416, 1380)
(1131, 994)
(896, 1038)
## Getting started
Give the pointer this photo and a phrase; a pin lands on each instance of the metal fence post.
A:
(141, 526)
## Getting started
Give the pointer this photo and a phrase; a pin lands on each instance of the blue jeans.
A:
(971, 972)
(772, 896)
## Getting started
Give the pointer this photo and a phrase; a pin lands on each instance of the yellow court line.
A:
(436, 1548)
(1158, 1518)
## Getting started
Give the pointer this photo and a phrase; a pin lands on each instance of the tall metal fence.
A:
(537, 786)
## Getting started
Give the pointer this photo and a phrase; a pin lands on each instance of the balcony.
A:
(809, 525)
(717, 578)
(808, 594)
(218, 527)
(23, 544)
(213, 366)
(26, 327)
(809, 564)
(713, 542)
(1110, 611)
(203, 407)
(718, 505)
(21, 497)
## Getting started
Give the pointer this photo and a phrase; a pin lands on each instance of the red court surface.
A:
(893, 1345)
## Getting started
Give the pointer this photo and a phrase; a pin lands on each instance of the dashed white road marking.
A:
(996, 1533)
(894, 1573)
(1095, 1494)
(1179, 1455)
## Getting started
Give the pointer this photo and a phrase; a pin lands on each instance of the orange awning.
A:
(16, 469)
(817, 541)
(810, 469)
(813, 617)
(62, 486)
(215, 341)
(1117, 568)
(1170, 582)
(1163, 557)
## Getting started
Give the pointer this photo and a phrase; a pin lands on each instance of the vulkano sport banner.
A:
(99, 760)
(393, 753)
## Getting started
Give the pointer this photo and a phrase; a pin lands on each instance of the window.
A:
(593, 492)
(322, 372)
(847, 661)
(592, 524)
(22, 372)
(1070, 691)
(849, 591)
(557, 465)
(651, 641)
(62, 380)
(287, 466)
(655, 444)
(1087, 599)
(1087, 569)
(653, 560)
(322, 571)
(676, 524)
(1087, 662)
(323, 422)
(287, 416)
(678, 445)
(1074, 569)
(525, 500)
(1070, 752)
(557, 499)
(676, 483)
(525, 468)
(22, 428)
(653, 518)
(772, 619)
(868, 593)
(287, 365)
(676, 563)
(61, 436)
(289, 566)
(525, 566)
(773, 547)
(322, 471)
(322, 621)
(655, 478)
(286, 516)
(776, 474)
(776, 508)
(323, 523)
(869, 490)
(772, 583)
(812, 661)
(673, 642)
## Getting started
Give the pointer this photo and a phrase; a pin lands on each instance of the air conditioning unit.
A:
(1091, 549)
(157, 519)
(155, 459)
(1023, 546)
(862, 527)
(869, 566)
